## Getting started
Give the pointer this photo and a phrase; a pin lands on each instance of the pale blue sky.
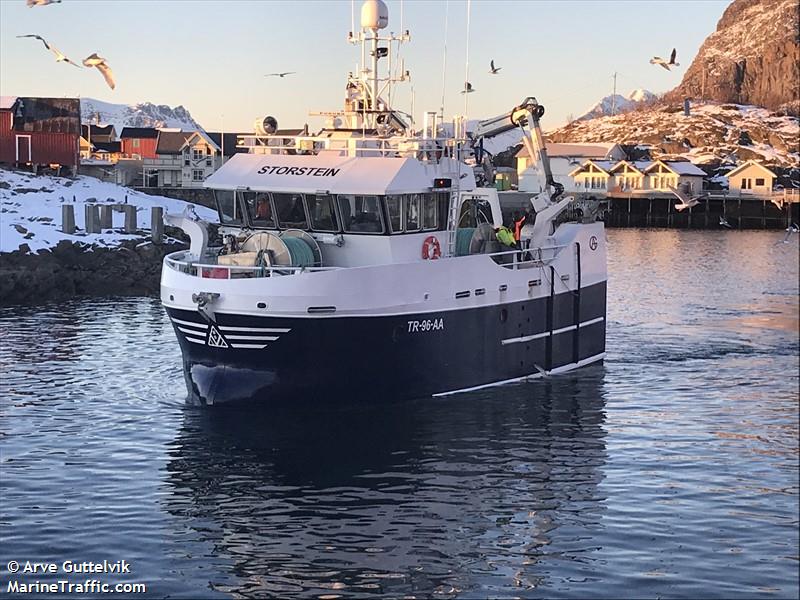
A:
(210, 55)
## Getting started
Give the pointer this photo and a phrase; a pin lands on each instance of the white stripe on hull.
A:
(532, 376)
(536, 336)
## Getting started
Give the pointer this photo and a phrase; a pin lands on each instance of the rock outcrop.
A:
(752, 58)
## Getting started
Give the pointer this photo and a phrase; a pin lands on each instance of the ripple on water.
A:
(672, 470)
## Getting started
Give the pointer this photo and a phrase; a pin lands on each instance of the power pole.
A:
(614, 95)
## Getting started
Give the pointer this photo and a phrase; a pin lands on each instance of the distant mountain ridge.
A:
(615, 104)
(144, 114)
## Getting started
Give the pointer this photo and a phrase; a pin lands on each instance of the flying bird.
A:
(494, 69)
(59, 56)
(793, 228)
(657, 60)
(685, 201)
(467, 88)
(284, 74)
(98, 61)
(724, 222)
(32, 3)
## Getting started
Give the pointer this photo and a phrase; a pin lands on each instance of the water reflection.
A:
(433, 496)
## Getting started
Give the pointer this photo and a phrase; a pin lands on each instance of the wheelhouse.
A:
(372, 214)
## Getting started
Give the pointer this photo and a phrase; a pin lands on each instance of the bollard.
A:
(92, 218)
(157, 224)
(106, 221)
(130, 218)
(68, 218)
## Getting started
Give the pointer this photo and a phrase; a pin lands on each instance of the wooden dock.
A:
(657, 209)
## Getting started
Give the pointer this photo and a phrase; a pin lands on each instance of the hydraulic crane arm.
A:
(526, 117)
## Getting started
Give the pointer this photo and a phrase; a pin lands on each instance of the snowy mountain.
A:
(616, 104)
(751, 58)
(143, 114)
(713, 133)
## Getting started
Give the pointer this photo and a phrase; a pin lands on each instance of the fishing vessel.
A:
(363, 260)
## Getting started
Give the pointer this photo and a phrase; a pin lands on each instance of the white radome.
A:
(374, 15)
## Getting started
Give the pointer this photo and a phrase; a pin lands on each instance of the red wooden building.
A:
(40, 132)
(139, 142)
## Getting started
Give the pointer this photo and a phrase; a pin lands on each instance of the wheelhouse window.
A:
(290, 211)
(430, 212)
(259, 209)
(412, 212)
(394, 206)
(360, 214)
(322, 210)
(473, 212)
(228, 207)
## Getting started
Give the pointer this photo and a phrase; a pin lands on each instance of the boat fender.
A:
(431, 249)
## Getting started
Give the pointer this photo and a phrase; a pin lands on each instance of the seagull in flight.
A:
(493, 69)
(685, 201)
(793, 228)
(468, 89)
(32, 3)
(284, 74)
(657, 60)
(59, 56)
(98, 61)
(724, 222)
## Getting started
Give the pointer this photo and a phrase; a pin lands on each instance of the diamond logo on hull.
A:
(215, 339)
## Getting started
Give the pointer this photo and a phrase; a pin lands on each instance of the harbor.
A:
(401, 311)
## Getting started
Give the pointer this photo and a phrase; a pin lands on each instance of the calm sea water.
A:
(670, 471)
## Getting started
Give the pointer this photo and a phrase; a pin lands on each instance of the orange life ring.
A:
(431, 248)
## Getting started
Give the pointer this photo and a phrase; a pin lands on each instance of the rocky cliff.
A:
(752, 58)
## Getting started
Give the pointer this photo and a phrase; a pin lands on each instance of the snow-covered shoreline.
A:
(30, 210)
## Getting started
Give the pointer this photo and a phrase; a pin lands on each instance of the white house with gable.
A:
(183, 159)
(751, 177)
(564, 158)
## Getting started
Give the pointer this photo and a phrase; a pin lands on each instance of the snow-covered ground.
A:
(30, 210)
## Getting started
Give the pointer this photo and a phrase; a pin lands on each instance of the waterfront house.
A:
(628, 176)
(564, 158)
(183, 159)
(139, 142)
(40, 133)
(592, 176)
(661, 175)
(751, 177)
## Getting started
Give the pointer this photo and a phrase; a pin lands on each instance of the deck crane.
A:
(546, 204)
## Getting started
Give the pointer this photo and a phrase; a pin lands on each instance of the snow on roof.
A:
(578, 149)
(310, 174)
(639, 165)
(6, 102)
(749, 163)
(605, 165)
(685, 168)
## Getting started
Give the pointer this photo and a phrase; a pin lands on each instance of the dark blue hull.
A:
(323, 358)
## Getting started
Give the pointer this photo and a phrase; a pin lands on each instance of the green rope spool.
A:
(301, 253)
(463, 239)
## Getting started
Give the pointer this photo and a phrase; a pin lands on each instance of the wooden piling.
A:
(92, 221)
(130, 218)
(106, 221)
(68, 218)
(157, 224)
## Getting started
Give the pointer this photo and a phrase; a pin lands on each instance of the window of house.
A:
(430, 212)
(360, 214)
(198, 175)
(322, 210)
(412, 209)
(759, 181)
(394, 206)
(197, 154)
(290, 211)
(745, 184)
(208, 162)
(135, 142)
